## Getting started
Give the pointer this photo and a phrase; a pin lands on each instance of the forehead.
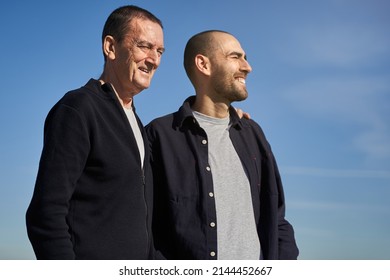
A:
(227, 43)
(147, 30)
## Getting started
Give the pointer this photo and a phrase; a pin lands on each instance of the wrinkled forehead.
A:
(144, 29)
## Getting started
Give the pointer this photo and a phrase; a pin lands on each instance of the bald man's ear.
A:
(109, 44)
(202, 64)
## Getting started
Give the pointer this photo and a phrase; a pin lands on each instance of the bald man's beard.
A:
(232, 91)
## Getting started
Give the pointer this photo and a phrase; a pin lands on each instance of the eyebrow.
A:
(149, 44)
(239, 54)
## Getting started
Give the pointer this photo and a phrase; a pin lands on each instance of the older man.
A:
(93, 193)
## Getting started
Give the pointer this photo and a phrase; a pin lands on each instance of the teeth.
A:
(241, 80)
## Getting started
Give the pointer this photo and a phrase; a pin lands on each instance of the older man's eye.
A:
(144, 47)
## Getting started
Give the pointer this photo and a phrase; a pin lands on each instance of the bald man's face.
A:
(229, 68)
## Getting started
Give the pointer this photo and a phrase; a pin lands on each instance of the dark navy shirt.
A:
(184, 205)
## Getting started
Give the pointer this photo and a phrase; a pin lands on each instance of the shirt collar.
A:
(184, 115)
(109, 88)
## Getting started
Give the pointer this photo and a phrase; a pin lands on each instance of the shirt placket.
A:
(208, 200)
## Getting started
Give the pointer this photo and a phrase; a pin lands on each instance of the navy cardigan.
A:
(92, 199)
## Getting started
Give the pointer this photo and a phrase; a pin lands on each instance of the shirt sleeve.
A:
(64, 154)
(288, 249)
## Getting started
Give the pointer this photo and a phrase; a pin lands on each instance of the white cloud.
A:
(332, 207)
(353, 98)
(335, 173)
(361, 102)
(374, 142)
(336, 44)
(347, 81)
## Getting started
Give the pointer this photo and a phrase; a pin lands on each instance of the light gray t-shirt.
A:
(137, 133)
(134, 126)
(236, 228)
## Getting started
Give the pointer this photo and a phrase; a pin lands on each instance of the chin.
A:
(143, 86)
(241, 96)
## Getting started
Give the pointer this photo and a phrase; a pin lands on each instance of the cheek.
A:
(131, 66)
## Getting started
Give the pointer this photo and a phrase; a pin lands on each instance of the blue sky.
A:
(320, 88)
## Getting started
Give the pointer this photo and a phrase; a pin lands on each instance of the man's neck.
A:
(206, 106)
(125, 99)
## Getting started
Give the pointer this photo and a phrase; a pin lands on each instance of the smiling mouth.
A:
(145, 70)
(242, 80)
